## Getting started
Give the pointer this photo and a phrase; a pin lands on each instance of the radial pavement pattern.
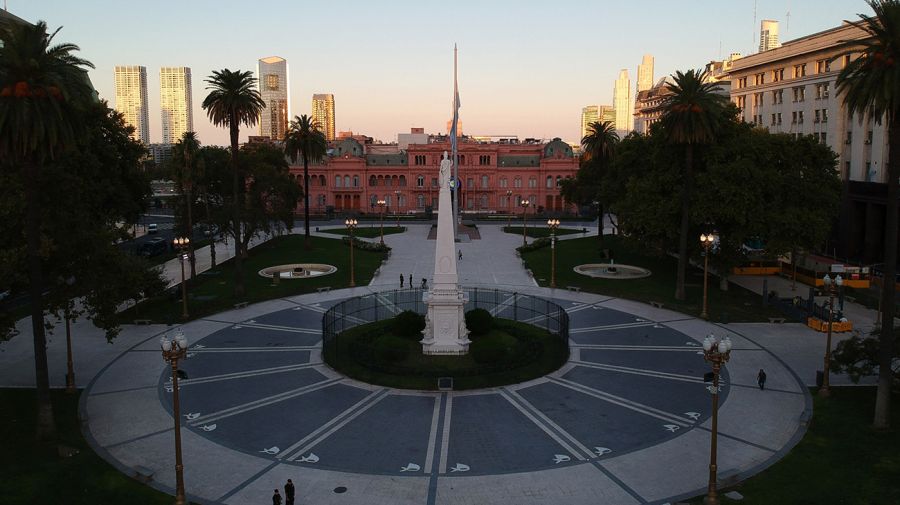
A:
(629, 403)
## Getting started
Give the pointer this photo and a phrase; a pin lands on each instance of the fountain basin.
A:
(612, 271)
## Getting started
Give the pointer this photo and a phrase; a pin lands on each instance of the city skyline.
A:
(176, 103)
(273, 83)
(500, 67)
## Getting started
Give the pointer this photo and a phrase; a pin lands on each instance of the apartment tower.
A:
(323, 113)
(645, 73)
(175, 103)
(272, 73)
(623, 103)
(131, 100)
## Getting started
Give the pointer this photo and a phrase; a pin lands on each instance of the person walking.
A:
(761, 379)
(401, 281)
(276, 498)
(460, 254)
(289, 493)
(424, 283)
(410, 281)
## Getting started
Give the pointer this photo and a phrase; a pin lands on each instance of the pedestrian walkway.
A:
(625, 421)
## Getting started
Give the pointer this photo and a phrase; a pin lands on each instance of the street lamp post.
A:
(397, 211)
(351, 225)
(173, 351)
(381, 204)
(182, 243)
(706, 240)
(508, 214)
(717, 352)
(832, 285)
(553, 224)
(525, 204)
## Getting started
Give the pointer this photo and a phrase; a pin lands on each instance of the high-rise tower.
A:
(768, 35)
(131, 100)
(323, 113)
(175, 102)
(589, 114)
(623, 103)
(272, 73)
(645, 73)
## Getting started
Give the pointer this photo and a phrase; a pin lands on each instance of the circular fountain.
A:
(612, 270)
(298, 271)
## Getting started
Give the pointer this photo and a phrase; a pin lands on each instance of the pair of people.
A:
(288, 494)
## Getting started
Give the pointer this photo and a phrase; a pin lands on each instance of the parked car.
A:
(152, 228)
(153, 247)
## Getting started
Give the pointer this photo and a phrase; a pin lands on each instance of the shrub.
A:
(365, 245)
(391, 349)
(479, 321)
(487, 350)
(538, 243)
(408, 324)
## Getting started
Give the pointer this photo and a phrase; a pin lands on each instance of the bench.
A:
(323, 289)
(576, 289)
(240, 305)
(658, 305)
(776, 320)
(143, 322)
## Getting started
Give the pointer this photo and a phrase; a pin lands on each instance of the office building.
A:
(623, 104)
(131, 100)
(791, 89)
(589, 114)
(768, 35)
(272, 75)
(323, 113)
(175, 103)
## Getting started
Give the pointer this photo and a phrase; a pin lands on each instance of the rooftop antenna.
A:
(753, 40)
(787, 22)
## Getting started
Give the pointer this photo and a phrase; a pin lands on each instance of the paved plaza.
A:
(625, 420)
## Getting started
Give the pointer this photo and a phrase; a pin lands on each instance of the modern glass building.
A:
(323, 113)
(272, 73)
(175, 102)
(589, 114)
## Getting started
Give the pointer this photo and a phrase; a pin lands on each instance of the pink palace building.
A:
(495, 176)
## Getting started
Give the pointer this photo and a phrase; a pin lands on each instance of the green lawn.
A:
(367, 231)
(840, 461)
(734, 305)
(211, 291)
(35, 473)
(538, 230)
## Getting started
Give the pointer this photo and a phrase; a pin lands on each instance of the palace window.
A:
(484, 159)
(420, 181)
(484, 182)
(800, 71)
(823, 66)
(337, 181)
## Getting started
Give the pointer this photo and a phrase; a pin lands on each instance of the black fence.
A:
(510, 305)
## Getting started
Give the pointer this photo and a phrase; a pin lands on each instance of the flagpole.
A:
(453, 146)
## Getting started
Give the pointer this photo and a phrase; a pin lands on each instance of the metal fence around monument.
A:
(504, 304)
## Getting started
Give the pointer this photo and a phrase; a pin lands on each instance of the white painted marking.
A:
(411, 467)
(192, 416)
(312, 458)
(607, 327)
(624, 402)
(640, 371)
(208, 427)
(271, 450)
(445, 435)
(693, 415)
(600, 451)
(262, 402)
(460, 467)
(671, 427)
(432, 435)
(249, 373)
(285, 348)
(560, 458)
(618, 347)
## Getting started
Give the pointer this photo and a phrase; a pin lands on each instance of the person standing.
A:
(401, 281)
(761, 379)
(289, 493)
(410, 281)
(276, 498)
(460, 255)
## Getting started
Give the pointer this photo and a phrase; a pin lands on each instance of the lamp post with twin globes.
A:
(706, 240)
(351, 225)
(717, 351)
(381, 204)
(525, 204)
(832, 286)
(182, 243)
(173, 351)
(553, 224)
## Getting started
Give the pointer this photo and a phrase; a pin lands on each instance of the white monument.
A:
(445, 325)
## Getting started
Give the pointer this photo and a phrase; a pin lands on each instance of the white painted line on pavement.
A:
(624, 402)
(432, 436)
(545, 423)
(445, 436)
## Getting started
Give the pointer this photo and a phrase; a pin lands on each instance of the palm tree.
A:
(42, 91)
(599, 147)
(305, 139)
(233, 101)
(871, 87)
(186, 148)
(690, 116)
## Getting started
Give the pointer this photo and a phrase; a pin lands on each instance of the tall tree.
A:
(233, 101)
(690, 116)
(870, 85)
(185, 152)
(42, 89)
(599, 147)
(304, 139)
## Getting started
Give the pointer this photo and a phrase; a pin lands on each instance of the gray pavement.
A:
(507, 439)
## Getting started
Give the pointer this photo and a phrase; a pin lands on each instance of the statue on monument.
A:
(446, 163)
